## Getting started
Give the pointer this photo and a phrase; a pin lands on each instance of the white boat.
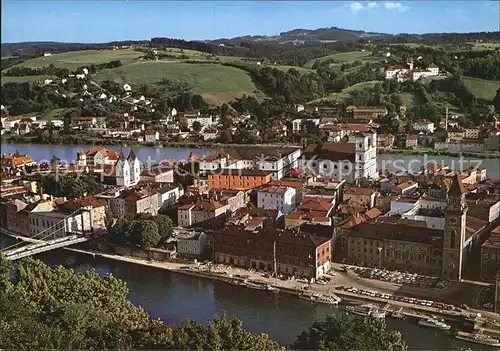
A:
(434, 323)
(256, 286)
(478, 338)
(376, 313)
(330, 300)
(359, 310)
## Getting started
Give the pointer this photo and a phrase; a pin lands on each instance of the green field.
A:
(345, 93)
(481, 88)
(75, 59)
(57, 113)
(23, 79)
(350, 56)
(215, 82)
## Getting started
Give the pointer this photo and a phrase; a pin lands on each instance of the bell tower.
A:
(454, 231)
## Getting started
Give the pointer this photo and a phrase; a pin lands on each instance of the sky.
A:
(103, 21)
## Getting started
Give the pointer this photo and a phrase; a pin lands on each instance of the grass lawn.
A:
(481, 88)
(350, 56)
(345, 93)
(57, 113)
(23, 79)
(216, 83)
(75, 59)
(285, 68)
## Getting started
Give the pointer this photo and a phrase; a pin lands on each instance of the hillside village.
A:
(294, 187)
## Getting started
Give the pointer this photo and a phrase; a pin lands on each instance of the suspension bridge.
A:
(46, 240)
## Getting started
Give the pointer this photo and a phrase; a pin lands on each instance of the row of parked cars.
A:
(410, 300)
(398, 277)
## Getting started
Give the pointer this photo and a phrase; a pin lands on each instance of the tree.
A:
(165, 225)
(20, 106)
(496, 101)
(196, 126)
(348, 332)
(224, 110)
(197, 102)
(65, 310)
(183, 124)
(225, 137)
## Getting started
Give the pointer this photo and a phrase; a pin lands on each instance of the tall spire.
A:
(131, 155)
(457, 188)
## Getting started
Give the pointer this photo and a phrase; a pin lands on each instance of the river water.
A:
(173, 297)
(385, 161)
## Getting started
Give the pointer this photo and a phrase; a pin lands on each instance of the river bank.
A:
(432, 152)
(172, 297)
(18, 140)
(236, 276)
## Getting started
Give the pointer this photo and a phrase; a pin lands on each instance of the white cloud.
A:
(396, 6)
(372, 5)
(356, 6)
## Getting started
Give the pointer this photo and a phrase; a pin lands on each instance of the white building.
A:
(299, 122)
(127, 87)
(403, 73)
(128, 170)
(168, 196)
(204, 120)
(191, 244)
(59, 223)
(471, 133)
(424, 126)
(278, 161)
(279, 198)
(353, 161)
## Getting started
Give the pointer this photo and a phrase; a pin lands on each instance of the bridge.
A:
(42, 246)
(46, 240)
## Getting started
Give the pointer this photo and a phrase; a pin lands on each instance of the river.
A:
(173, 297)
(385, 161)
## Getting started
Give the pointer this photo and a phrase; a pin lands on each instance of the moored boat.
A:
(376, 313)
(434, 323)
(359, 310)
(398, 314)
(319, 298)
(478, 338)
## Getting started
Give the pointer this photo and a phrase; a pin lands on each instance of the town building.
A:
(353, 161)
(411, 141)
(150, 135)
(490, 255)
(96, 156)
(201, 210)
(298, 123)
(472, 133)
(278, 252)
(191, 244)
(159, 173)
(279, 198)
(424, 126)
(276, 161)
(132, 202)
(311, 210)
(366, 112)
(239, 179)
(338, 131)
(16, 161)
(360, 196)
(406, 72)
(168, 195)
(427, 236)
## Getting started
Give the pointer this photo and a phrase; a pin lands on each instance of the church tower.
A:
(122, 171)
(454, 231)
(135, 168)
